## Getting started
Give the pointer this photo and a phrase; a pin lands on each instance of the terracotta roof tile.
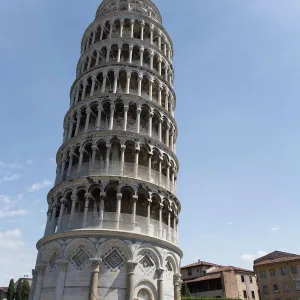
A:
(276, 256)
(229, 268)
(4, 289)
(200, 263)
(202, 278)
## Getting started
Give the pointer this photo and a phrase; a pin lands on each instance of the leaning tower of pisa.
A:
(112, 223)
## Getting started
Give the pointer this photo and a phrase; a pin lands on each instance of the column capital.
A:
(34, 273)
(142, 48)
(151, 53)
(119, 196)
(99, 107)
(41, 269)
(139, 109)
(78, 115)
(132, 21)
(95, 263)
(94, 147)
(177, 280)
(128, 74)
(160, 274)
(140, 78)
(123, 148)
(122, 21)
(130, 47)
(81, 150)
(62, 264)
(63, 201)
(152, 26)
(103, 196)
(108, 146)
(126, 108)
(143, 23)
(88, 196)
(131, 266)
(135, 198)
(74, 196)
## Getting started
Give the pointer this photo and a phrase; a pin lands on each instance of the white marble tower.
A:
(112, 226)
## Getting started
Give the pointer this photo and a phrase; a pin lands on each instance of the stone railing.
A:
(115, 168)
(114, 221)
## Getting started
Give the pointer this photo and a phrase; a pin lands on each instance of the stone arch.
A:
(78, 243)
(145, 290)
(114, 243)
(171, 258)
(149, 249)
(50, 250)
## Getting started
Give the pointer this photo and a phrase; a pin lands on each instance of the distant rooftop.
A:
(275, 257)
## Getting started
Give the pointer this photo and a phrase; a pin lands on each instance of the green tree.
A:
(18, 295)
(10, 292)
(185, 292)
(25, 290)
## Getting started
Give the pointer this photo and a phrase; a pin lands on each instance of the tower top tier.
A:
(143, 7)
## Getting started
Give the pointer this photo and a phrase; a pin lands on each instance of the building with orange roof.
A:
(278, 275)
(205, 279)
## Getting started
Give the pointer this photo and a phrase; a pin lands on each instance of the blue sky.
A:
(237, 83)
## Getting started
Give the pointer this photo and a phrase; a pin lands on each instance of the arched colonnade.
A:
(125, 52)
(121, 115)
(123, 81)
(132, 28)
(113, 158)
(113, 206)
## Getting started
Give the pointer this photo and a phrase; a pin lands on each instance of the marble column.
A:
(128, 82)
(86, 208)
(87, 120)
(98, 125)
(111, 119)
(134, 201)
(95, 270)
(33, 286)
(130, 280)
(177, 286)
(142, 49)
(131, 28)
(126, 108)
(60, 283)
(151, 114)
(119, 203)
(123, 149)
(53, 220)
(160, 284)
(63, 202)
(160, 220)
(130, 53)
(39, 282)
(101, 210)
(138, 119)
(74, 200)
(48, 224)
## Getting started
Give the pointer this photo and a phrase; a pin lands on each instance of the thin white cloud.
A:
(29, 162)
(52, 159)
(40, 185)
(10, 165)
(5, 199)
(12, 213)
(10, 177)
(11, 239)
(229, 223)
(249, 258)
(275, 228)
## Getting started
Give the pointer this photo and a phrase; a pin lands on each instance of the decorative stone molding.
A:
(62, 264)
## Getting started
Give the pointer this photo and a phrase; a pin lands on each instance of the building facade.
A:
(278, 276)
(205, 279)
(112, 224)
